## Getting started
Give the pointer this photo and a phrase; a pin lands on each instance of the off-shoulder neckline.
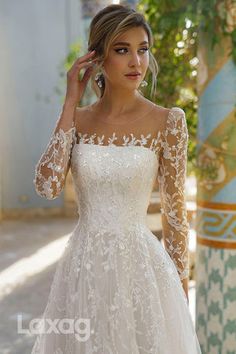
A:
(138, 118)
(131, 121)
(129, 139)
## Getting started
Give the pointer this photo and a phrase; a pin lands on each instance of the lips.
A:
(133, 74)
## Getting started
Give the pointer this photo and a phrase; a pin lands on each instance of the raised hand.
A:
(76, 86)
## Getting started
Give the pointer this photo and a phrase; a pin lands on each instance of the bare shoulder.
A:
(162, 118)
(159, 115)
(166, 112)
(166, 115)
(161, 112)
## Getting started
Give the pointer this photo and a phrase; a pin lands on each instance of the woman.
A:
(115, 277)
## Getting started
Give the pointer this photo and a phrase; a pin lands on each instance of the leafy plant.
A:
(176, 26)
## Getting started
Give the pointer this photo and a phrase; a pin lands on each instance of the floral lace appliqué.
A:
(128, 140)
(171, 145)
(51, 169)
(113, 270)
(171, 178)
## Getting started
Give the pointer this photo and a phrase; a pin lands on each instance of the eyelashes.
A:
(120, 49)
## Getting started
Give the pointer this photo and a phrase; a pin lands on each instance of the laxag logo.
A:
(57, 326)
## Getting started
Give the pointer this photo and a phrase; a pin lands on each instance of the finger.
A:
(85, 57)
(79, 66)
(76, 66)
(84, 64)
(87, 75)
(92, 60)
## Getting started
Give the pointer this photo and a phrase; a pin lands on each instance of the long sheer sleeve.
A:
(52, 167)
(171, 179)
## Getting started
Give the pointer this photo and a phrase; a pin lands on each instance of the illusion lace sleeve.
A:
(52, 167)
(171, 179)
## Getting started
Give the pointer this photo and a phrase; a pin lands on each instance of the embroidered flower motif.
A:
(101, 140)
(128, 140)
(51, 168)
(171, 178)
(50, 174)
(113, 267)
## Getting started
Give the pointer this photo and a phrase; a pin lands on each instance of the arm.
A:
(171, 178)
(53, 166)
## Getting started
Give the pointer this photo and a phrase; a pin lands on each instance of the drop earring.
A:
(143, 83)
(98, 79)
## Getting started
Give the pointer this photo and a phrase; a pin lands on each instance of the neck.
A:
(116, 102)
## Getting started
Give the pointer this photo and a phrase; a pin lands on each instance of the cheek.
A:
(145, 61)
(115, 65)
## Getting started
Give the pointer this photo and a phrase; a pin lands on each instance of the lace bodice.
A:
(129, 140)
(123, 159)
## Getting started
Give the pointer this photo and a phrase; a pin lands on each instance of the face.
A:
(127, 54)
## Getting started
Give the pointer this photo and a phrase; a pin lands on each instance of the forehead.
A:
(134, 35)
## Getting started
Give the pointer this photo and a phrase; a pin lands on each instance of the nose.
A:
(134, 60)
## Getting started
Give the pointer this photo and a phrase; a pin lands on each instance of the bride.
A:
(114, 276)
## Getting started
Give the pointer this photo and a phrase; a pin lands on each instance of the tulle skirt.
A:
(116, 292)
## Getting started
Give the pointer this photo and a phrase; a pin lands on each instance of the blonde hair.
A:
(105, 27)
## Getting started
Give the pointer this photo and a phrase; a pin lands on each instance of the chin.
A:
(132, 87)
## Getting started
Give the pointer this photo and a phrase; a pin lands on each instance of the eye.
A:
(119, 50)
(144, 49)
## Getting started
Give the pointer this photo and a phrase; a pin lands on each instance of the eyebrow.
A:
(128, 44)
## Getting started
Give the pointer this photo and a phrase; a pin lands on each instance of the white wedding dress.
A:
(114, 275)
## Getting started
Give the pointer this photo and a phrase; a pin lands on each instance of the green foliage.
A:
(65, 65)
(176, 25)
(174, 48)
(72, 55)
(217, 17)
